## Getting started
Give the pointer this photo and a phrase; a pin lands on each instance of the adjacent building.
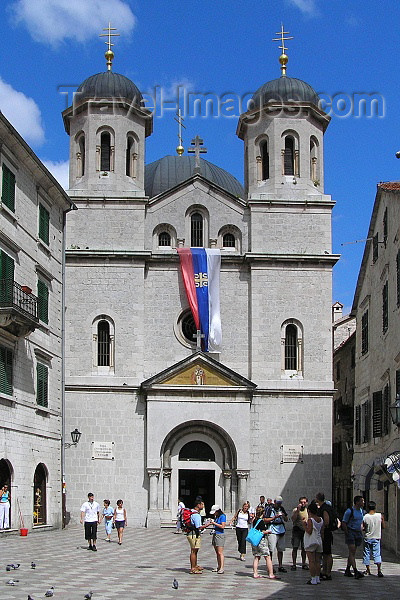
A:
(344, 363)
(32, 219)
(377, 374)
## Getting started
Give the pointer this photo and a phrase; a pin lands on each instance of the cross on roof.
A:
(197, 142)
(109, 53)
(282, 38)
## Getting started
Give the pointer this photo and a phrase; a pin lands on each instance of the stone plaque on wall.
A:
(103, 450)
(291, 454)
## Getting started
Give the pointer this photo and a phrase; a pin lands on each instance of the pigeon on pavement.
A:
(88, 596)
(33, 565)
(13, 566)
(50, 592)
(8, 568)
(175, 584)
(30, 597)
(12, 581)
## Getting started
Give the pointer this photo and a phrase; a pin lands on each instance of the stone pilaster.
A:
(227, 491)
(242, 476)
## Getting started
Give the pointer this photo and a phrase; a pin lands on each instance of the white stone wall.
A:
(378, 366)
(31, 435)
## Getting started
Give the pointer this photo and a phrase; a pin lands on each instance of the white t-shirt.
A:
(90, 509)
(242, 520)
(373, 526)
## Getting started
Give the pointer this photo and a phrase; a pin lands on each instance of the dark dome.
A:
(165, 173)
(285, 89)
(109, 85)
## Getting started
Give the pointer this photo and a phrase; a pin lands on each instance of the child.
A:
(373, 523)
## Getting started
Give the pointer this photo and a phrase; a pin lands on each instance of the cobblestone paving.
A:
(148, 560)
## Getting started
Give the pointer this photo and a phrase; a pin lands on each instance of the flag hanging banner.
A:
(201, 274)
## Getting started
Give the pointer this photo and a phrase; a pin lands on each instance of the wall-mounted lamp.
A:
(395, 410)
(75, 436)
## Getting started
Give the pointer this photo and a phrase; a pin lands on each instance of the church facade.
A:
(160, 417)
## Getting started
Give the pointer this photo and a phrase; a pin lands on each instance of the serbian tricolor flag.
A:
(200, 272)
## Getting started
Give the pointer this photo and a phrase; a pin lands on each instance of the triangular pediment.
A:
(198, 370)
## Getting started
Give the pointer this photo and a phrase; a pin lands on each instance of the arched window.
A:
(228, 240)
(291, 348)
(80, 157)
(164, 239)
(105, 151)
(103, 334)
(314, 175)
(197, 450)
(131, 156)
(264, 160)
(289, 156)
(103, 344)
(196, 230)
(39, 495)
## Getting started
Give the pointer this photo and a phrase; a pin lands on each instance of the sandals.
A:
(195, 572)
(257, 576)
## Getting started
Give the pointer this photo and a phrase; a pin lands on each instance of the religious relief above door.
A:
(199, 374)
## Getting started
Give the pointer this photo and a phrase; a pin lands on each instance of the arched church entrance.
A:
(199, 459)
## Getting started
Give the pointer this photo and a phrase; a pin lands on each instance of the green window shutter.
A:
(8, 190)
(6, 371)
(6, 279)
(44, 220)
(43, 301)
(42, 382)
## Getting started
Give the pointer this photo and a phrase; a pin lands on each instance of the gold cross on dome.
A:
(109, 53)
(282, 38)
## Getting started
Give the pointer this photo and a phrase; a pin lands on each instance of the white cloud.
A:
(60, 170)
(22, 112)
(307, 7)
(53, 21)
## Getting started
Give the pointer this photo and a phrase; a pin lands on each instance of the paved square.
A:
(146, 564)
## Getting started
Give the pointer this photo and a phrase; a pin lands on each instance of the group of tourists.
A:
(312, 533)
(92, 515)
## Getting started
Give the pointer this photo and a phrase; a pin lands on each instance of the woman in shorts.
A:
(263, 547)
(313, 527)
(120, 520)
(218, 536)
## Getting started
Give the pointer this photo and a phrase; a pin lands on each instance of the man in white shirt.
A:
(373, 523)
(90, 516)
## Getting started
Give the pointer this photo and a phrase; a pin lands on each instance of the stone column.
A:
(153, 477)
(227, 491)
(153, 514)
(259, 168)
(242, 485)
(167, 489)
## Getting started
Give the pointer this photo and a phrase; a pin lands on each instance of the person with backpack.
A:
(352, 527)
(191, 525)
(328, 514)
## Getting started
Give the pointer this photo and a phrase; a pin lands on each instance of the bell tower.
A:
(107, 124)
(283, 135)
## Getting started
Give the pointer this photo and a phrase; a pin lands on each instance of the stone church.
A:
(160, 417)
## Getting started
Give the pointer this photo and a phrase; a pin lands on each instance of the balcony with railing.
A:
(18, 308)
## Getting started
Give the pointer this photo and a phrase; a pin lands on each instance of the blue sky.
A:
(50, 46)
